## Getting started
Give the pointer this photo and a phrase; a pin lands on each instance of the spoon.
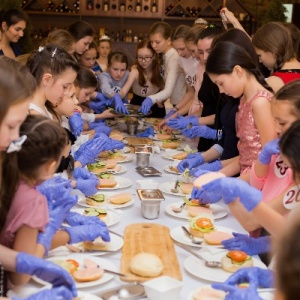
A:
(179, 209)
(190, 236)
(175, 189)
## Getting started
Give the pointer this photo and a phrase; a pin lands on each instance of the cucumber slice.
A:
(89, 209)
(101, 211)
(93, 214)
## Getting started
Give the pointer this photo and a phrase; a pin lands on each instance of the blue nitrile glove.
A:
(103, 100)
(237, 293)
(75, 219)
(87, 186)
(112, 144)
(87, 233)
(100, 128)
(97, 107)
(119, 105)
(259, 277)
(251, 246)
(170, 113)
(88, 152)
(200, 131)
(212, 167)
(146, 106)
(229, 189)
(53, 188)
(182, 122)
(82, 173)
(192, 155)
(45, 270)
(267, 151)
(76, 124)
(55, 293)
(147, 132)
(190, 163)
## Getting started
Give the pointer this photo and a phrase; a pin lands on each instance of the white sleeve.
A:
(88, 117)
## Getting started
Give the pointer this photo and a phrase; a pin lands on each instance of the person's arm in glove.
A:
(190, 163)
(146, 106)
(103, 100)
(75, 219)
(212, 167)
(251, 246)
(87, 186)
(76, 124)
(200, 131)
(88, 152)
(99, 128)
(45, 270)
(182, 122)
(52, 294)
(146, 133)
(119, 105)
(170, 113)
(86, 233)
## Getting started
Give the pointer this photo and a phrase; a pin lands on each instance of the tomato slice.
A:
(204, 223)
(237, 256)
(195, 201)
(73, 262)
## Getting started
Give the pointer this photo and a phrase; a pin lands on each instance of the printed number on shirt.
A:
(144, 91)
(161, 70)
(190, 80)
(116, 89)
(280, 168)
(292, 198)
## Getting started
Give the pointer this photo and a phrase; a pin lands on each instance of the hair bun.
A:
(104, 38)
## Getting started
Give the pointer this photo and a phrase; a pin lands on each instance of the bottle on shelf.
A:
(135, 38)
(89, 5)
(98, 5)
(138, 6)
(129, 36)
(129, 7)
(154, 6)
(122, 6)
(105, 6)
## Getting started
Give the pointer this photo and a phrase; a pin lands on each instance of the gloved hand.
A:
(212, 167)
(170, 113)
(200, 131)
(103, 100)
(192, 155)
(190, 163)
(53, 188)
(119, 105)
(267, 151)
(97, 107)
(251, 246)
(87, 233)
(100, 128)
(55, 293)
(229, 189)
(255, 276)
(45, 270)
(182, 122)
(88, 152)
(146, 132)
(146, 106)
(75, 219)
(237, 293)
(76, 124)
(82, 173)
(112, 144)
(87, 186)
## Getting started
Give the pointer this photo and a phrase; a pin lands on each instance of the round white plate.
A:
(122, 183)
(168, 170)
(169, 154)
(262, 294)
(103, 263)
(167, 186)
(118, 169)
(113, 218)
(178, 235)
(218, 211)
(115, 244)
(81, 202)
(196, 267)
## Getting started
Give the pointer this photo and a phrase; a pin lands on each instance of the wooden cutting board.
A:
(152, 238)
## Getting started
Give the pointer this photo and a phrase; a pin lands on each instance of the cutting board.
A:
(152, 238)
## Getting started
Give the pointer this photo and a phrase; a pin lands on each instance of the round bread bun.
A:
(97, 244)
(116, 136)
(163, 136)
(146, 264)
(120, 198)
(208, 293)
(180, 155)
(216, 237)
(170, 145)
(107, 183)
(206, 178)
(88, 274)
(196, 233)
(194, 211)
(92, 202)
(229, 266)
(186, 187)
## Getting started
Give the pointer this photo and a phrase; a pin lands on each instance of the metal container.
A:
(142, 159)
(150, 209)
(132, 127)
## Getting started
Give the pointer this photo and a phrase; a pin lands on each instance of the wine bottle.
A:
(129, 7)
(105, 6)
(138, 7)
(154, 7)
(89, 5)
(122, 6)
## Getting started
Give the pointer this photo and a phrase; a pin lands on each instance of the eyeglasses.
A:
(146, 58)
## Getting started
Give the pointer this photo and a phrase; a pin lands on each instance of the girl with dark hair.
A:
(12, 25)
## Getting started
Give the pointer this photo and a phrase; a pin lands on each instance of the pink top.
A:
(249, 143)
(29, 207)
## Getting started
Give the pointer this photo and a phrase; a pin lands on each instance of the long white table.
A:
(132, 215)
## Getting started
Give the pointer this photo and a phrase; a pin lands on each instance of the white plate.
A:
(178, 235)
(113, 218)
(168, 170)
(167, 186)
(118, 169)
(218, 211)
(169, 153)
(82, 202)
(263, 295)
(122, 182)
(104, 263)
(126, 149)
(197, 268)
(115, 244)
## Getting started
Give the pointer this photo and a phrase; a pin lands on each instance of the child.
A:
(89, 57)
(175, 87)
(55, 71)
(104, 49)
